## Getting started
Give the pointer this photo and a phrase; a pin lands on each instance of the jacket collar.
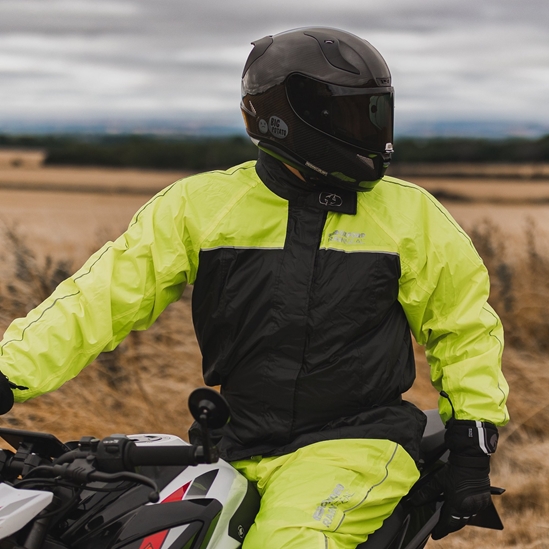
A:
(285, 184)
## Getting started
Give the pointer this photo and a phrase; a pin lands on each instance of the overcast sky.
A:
(181, 60)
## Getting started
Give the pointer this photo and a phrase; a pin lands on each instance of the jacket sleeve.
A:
(444, 290)
(122, 287)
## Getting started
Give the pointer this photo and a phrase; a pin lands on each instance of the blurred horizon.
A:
(495, 129)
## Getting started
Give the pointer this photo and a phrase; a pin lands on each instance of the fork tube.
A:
(39, 530)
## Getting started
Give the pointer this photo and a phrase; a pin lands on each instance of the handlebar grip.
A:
(162, 455)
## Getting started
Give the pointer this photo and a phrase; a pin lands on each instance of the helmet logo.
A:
(330, 199)
(278, 127)
(263, 126)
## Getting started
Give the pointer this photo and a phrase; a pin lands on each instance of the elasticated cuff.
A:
(471, 438)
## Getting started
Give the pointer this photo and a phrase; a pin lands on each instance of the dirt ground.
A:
(71, 210)
(69, 224)
(104, 179)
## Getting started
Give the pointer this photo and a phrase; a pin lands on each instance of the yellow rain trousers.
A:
(328, 495)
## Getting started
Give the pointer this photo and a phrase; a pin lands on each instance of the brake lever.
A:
(83, 471)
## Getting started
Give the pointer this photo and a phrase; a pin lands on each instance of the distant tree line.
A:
(152, 152)
(197, 154)
(463, 149)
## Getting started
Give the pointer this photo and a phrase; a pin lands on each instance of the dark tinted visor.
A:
(359, 116)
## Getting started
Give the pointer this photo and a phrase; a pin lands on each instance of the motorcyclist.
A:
(310, 269)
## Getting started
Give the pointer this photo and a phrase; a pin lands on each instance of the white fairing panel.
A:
(18, 507)
(229, 488)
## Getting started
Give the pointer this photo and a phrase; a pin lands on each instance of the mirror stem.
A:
(206, 442)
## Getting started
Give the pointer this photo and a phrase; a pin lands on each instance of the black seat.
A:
(432, 444)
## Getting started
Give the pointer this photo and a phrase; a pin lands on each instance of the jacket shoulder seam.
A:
(163, 193)
(227, 208)
(434, 202)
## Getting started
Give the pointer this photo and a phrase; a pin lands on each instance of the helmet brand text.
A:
(278, 127)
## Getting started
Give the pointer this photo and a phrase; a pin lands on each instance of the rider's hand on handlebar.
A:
(466, 493)
(6, 395)
(465, 479)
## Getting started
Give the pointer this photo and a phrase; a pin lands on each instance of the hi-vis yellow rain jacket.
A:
(303, 314)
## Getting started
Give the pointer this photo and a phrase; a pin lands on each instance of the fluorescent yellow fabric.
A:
(444, 286)
(329, 495)
(128, 283)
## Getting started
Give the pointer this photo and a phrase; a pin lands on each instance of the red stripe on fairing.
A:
(155, 541)
(178, 494)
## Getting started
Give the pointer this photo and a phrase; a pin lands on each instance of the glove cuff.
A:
(470, 438)
(479, 462)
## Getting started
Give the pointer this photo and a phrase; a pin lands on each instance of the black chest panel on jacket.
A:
(308, 344)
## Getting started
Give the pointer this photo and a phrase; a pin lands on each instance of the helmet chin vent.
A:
(368, 161)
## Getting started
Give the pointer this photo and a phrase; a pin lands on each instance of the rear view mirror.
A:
(209, 406)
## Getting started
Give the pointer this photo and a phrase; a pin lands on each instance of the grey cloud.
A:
(170, 55)
(197, 21)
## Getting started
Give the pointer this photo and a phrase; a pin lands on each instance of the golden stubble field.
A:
(51, 219)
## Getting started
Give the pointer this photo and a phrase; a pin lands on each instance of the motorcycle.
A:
(155, 491)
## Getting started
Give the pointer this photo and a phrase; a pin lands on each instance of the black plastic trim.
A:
(244, 516)
(155, 518)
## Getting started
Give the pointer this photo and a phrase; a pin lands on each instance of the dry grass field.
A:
(48, 231)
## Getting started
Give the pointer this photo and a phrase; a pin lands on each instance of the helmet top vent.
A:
(260, 47)
(330, 48)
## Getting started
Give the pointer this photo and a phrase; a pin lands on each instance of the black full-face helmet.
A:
(321, 100)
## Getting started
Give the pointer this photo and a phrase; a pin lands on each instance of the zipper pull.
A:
(18, 387)
(445, 395)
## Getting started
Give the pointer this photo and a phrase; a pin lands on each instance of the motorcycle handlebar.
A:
(163, 455)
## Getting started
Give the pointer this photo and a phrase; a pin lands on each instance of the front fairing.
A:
(207, 506)
(19, 507)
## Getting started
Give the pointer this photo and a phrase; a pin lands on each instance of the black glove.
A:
(465, 479)
(6, 394)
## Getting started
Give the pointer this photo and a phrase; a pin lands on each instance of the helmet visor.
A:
(359, 116)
